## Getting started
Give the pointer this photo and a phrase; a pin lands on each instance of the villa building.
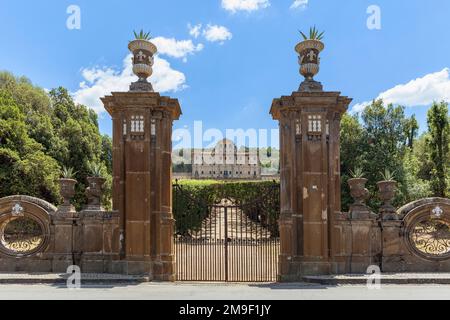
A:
(225, 161)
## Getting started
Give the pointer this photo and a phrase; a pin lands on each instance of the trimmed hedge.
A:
(194, 199)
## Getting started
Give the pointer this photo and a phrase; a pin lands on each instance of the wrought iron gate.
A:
(227, 240)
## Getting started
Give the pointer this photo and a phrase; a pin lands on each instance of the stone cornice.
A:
(120, 101)
(300, 100)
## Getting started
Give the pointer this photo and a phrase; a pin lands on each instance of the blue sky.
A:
(226, 72)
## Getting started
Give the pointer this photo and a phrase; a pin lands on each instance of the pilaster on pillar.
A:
(142, 186)
(310, 180)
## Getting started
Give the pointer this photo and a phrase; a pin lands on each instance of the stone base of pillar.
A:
(164, 270)
(298, 267)
(310, 86)
(141, 86)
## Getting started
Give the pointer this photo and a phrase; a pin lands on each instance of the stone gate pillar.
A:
(142, 169)
(309, 122)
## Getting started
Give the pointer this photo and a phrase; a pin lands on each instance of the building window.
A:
(124, 127)
(137, 124)
(315, 124)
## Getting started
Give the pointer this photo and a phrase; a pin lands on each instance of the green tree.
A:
(42, 132)
(411, 130)
(352, 147)
(438, 146)
(24, 167)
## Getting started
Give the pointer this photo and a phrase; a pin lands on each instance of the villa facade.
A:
(226, 161)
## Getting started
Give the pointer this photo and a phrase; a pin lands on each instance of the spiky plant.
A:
(388, 175)
(68, 173)
(142, 35)
(314, 34)
(96, 170)
(357, 173)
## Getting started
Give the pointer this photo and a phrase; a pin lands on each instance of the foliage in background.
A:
(192, 201)
(383, 138)
(40, 134)
(438, 147)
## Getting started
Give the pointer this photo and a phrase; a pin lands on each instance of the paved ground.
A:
(187, 291)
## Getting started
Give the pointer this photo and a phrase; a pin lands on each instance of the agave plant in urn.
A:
(67, 189)
(143, 59)
(309, 50)
(94, 191)
(387, 189)
(359, 193)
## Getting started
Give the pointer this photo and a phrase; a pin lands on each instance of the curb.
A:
(363, 281)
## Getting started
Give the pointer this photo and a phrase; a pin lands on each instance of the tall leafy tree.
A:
(50, 130)
(384, 134)
(24, 167)
(411, 130)
(352, 146)
(438, 147)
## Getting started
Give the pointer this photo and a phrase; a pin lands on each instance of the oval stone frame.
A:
(31, 208)
(421, 211)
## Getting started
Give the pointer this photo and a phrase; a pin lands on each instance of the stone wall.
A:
(38, 237)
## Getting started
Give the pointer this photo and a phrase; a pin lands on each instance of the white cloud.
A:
(215, 33)
(419, 92)
(99, 82)
(244, 5)
(194, 31)
(176, 48)
(299, 4)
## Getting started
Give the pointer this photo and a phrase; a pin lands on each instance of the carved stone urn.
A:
(387, 191)
(67, 191)
(358, 190)
(94, 192)
(360, 194)
(67, 187)
(143, 59)
(309, 60)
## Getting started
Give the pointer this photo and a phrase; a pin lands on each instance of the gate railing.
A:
(226, 239)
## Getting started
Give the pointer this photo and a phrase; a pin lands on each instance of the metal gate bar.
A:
(226, 242)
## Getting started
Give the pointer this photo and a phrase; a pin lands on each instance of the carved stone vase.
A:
(309, 61)
(94, 192)
(358, 190)
(143, 59)
(67, 191)
(387, 191)
(359, 193)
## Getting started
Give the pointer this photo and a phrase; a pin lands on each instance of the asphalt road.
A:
(160, 291)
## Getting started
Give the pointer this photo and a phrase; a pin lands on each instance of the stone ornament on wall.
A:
(17, 210)
(94, 193)
(430, 238)
(143, 59)
(309, 61)
(24, 229)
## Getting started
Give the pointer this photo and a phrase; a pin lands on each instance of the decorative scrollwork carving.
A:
(431, 238)
(21, 236)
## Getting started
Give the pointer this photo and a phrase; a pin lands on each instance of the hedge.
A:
(194, 199)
